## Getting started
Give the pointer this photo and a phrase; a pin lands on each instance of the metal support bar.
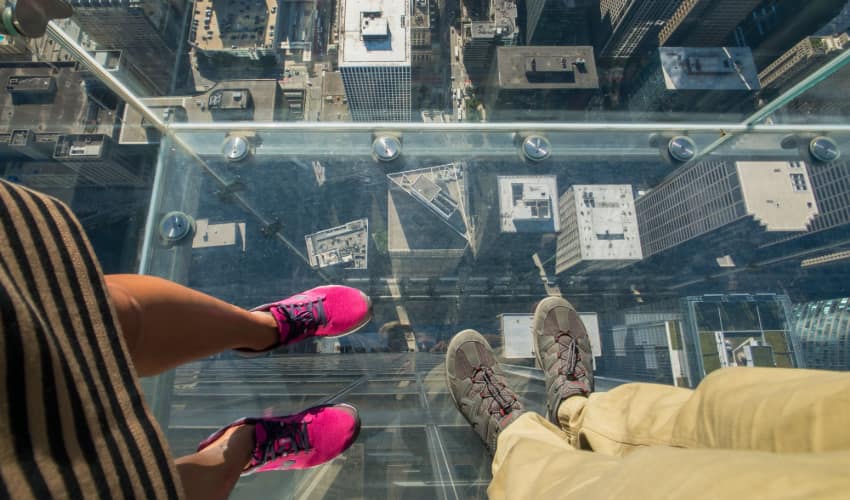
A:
(718, 128)
(114, 84)
(753, 123)
(80, 54)
(799, 89)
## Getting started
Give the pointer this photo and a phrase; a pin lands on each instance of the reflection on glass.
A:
(691, 242)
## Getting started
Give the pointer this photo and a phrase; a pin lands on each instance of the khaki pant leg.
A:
(656, 472)
(534, 460)
(765, 409)
(768, 409)
(616, 422)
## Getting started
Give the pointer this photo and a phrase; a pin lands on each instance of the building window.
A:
(798, 181)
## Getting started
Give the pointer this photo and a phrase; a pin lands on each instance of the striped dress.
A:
(73, 423)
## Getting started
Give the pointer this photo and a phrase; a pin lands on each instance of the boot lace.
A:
(493, 387)
(570, 353)
(284, 438)
(303, 317)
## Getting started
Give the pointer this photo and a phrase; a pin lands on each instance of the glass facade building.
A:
(823, 328)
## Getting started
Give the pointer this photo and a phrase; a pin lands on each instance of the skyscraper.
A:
(528, 204)
(238, 29)
(540, 83)
(680, 342)
(481, 37)
(829, 184)
(139, 28)
(742, 329)
(425, 46)
(428, 221)
(599, 229)
(777, 25)
(13, 47)
(823, 332)
(704, 23)
(726, 208)
(696, 79)
(375, 57)
(631, 25)
(559, 22)
(800, 61)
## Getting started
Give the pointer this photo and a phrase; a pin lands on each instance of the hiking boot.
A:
(562, 348)
(292, 442)
(478, 387)
(326, 311)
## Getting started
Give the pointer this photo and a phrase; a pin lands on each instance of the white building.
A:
(600, 229)
(528, 204)
(518, 341)
(375, 58)
(346, 245)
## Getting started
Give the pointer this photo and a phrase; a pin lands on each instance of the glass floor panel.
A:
(684, 184)
(435, 240)
(413, 444)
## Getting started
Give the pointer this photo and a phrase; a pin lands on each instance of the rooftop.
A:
(518, 341)
(442, 189)
(421, 14)
(260, 98)
(709, 68)
(502, 23)
(346, 245)
(222, 234)
(528, 204)
(33, 99)
(532, 67)
(778, 194)
(375, 32)
(606, 220)
(234, 25)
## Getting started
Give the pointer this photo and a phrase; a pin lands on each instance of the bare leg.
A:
(166, 324)
(212, 473)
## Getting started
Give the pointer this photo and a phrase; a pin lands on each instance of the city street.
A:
(459, 78)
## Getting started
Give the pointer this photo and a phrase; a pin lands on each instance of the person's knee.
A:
(128, 310)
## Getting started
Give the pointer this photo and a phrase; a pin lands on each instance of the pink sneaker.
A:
(324, 311)
(307, 439)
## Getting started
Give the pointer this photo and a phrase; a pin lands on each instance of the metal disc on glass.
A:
(682, 148)
(536, 148)
(824, 149)
(236, 148)
(175, 226)
(386, 148)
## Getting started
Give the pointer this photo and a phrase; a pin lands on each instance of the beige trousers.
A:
(744, 432)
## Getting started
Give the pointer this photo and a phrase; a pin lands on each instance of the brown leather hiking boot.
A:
(478, 387)
(562, 348)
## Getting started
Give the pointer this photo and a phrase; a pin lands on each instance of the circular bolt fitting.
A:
(175, 226)
(682, 148)
(236, 148)
(536, 148)
(386, 148)
(824, 149)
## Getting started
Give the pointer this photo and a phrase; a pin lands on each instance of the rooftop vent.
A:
(548, 69)
(373, 26)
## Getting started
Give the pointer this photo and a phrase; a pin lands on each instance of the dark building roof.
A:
(538, 67)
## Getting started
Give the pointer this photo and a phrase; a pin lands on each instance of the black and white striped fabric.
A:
(73, 423)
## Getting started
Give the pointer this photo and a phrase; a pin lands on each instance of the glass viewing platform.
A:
(680, 172)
